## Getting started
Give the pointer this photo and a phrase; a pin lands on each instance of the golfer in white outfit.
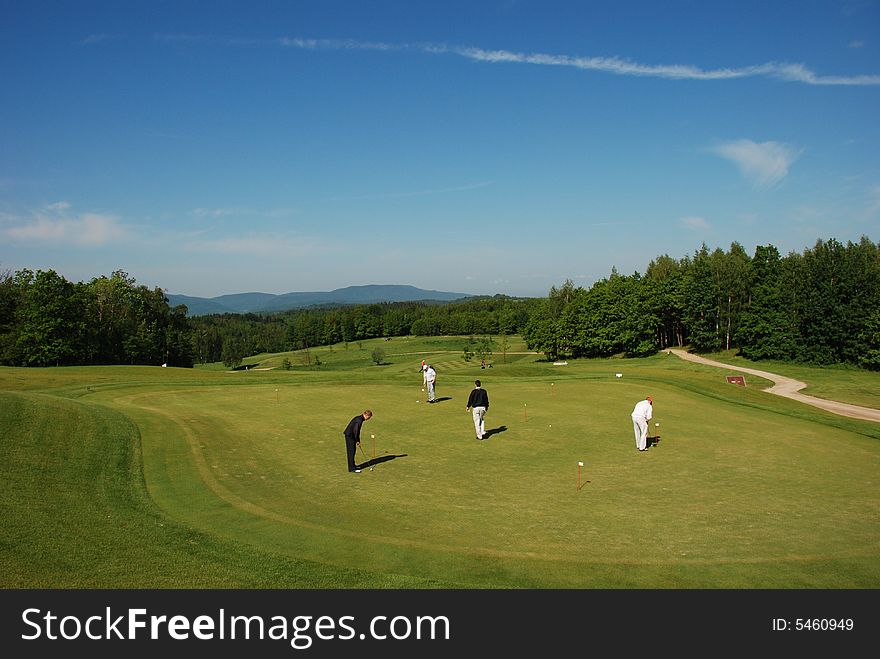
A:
(641, 414)
(430, 378)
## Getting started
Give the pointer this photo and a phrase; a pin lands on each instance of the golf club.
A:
(363, 453)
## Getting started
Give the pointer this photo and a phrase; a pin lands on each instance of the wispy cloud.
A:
(694, 223)
(217, 213)
(858, 207)
(871, 211)
(53, 224)
(781, 70)
(213, 213)
(785, 71)
(421, 193)
(97, 38)
(338, 44)
(284, 42)
(850, 8)
(764, 163)
(259, 245)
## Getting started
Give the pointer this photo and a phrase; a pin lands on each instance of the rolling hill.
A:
(268, 302)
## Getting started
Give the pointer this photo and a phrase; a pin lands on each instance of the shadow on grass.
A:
(494, 431)
(440, 400)
(379, 460)
(652, 441)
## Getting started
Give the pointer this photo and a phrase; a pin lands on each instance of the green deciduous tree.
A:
(51, 326)
(665, 280)
(767, 329)
(869, 338)
(233, 352)
(543, 332)
(834, 290)
(615, 316)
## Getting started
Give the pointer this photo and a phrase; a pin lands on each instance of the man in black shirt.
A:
(353, 438)
(478, 401)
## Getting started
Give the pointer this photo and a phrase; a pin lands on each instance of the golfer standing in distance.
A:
(353, 438)
(641, 414)
(478, 402)
(430, 378)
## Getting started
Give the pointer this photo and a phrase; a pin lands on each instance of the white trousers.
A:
(431, 391)
(640, 427)
(479, 421)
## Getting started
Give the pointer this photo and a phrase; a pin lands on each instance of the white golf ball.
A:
(373, 436)
(656, 424)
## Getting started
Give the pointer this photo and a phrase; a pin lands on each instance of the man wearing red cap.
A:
(641, 414)
(430, 379)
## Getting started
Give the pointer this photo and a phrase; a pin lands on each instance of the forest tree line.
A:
(821, 306)
(45, 320)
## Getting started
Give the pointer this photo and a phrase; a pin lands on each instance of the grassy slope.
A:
(246, 481)
(840, 382)
(76, 513)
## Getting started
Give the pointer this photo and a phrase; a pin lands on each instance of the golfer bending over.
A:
(478, 401)
(353, 438)
(641, 414)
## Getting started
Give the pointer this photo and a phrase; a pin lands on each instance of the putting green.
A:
(742, 490)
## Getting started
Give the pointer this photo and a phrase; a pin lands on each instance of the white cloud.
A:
(422, 193)
(97, 229)
(615, 65)
(97, 38)
(764, 163)
(217, 213)
(53, 225)
(781, 70)
(808, 214)
(872, 208)
(694, 222)
(259, 245)
(213, 212)
(336, 44)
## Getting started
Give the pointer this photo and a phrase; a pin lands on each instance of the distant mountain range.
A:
(268, 303)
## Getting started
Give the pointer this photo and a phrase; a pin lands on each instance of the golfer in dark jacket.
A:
(478, 402)
(353, 438)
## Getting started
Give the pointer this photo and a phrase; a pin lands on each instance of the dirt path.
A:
(790, 388)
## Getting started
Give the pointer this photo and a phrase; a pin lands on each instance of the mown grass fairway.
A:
(206, 478)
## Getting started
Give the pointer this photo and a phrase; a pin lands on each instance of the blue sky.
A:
(476, 147)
